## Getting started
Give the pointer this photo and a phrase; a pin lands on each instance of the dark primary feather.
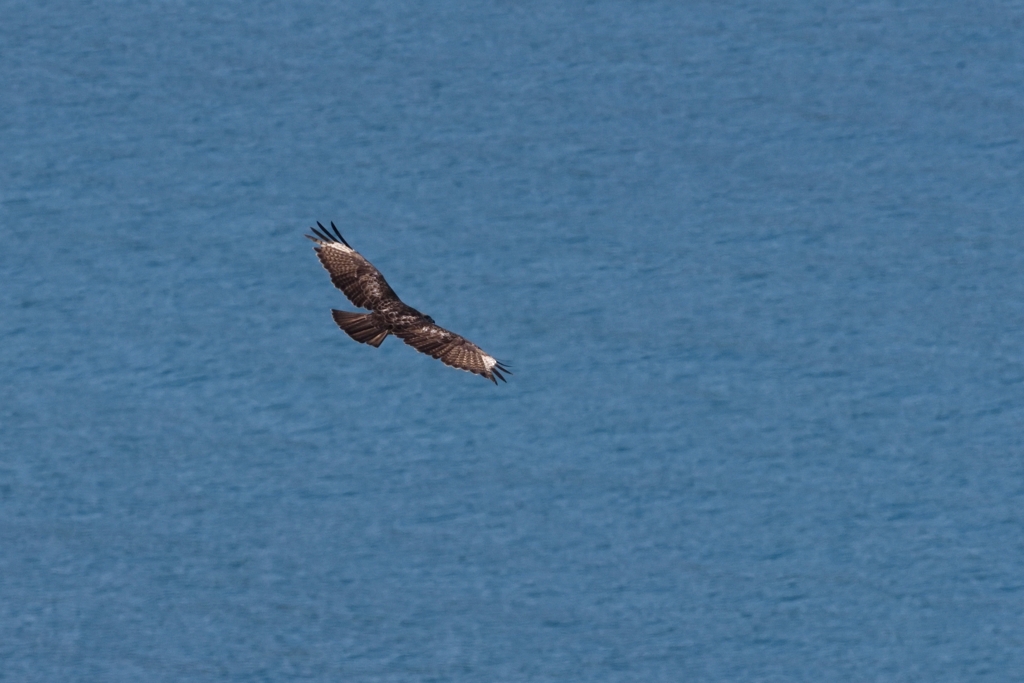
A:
(336, 232)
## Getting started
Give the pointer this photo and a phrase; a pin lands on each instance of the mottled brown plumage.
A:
(365, 287)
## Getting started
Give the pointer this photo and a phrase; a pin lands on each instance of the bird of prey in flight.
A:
(365, 287)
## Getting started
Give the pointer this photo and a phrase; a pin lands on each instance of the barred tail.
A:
(365, 328)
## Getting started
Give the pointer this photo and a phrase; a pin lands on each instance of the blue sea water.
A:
(758, 267)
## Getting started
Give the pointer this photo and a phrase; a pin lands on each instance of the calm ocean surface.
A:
(758, 267)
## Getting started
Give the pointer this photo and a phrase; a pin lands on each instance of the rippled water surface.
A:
(758, 267)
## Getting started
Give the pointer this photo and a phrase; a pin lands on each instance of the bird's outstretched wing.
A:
(453, 350)
(361, 282)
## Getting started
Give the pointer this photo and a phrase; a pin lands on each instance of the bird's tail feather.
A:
(362, 327)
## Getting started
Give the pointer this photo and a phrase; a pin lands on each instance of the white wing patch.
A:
(336, 245)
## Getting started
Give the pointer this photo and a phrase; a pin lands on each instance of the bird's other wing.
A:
(453, 350)
(361, 282)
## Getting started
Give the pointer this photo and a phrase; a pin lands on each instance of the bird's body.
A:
(365, 287)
